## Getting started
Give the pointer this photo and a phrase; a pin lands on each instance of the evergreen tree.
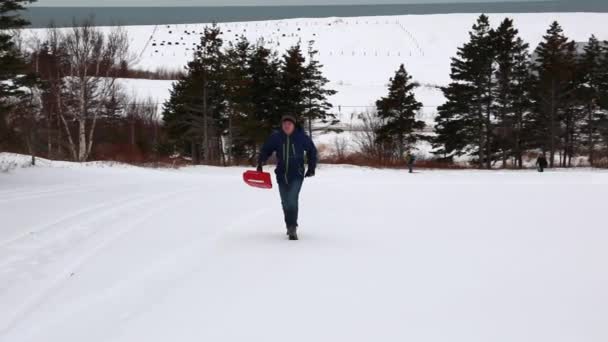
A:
(11, 62)
(113, 108)
(593, 88)
(316, 93)
(196, 111)
(454, 126)
(26, 115)
(398, 111)
(555, 73)
(238, 93)
(264, 70)
(175, 110)
(602, 102)
(470, 98)
(292, 84)
(512, 101)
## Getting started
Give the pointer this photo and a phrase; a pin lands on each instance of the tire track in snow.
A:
(38, 298)
(50, 194)
(8, 196)
(141, 198)
(175, 268)
(75, 215)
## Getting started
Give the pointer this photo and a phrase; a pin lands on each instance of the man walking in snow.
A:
(291, 146)
(411, 159)
(541, 163)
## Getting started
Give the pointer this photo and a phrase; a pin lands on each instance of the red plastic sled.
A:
(258, 179)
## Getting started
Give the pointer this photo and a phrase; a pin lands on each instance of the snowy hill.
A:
(359, 54)
(102, 253)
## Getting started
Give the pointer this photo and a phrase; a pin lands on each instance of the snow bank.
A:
(12, 161)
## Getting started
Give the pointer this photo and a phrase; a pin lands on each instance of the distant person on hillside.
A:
(292, 146)
(541, 163)
(411, 160)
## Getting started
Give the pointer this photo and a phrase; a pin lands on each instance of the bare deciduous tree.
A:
(90, 62)
(145, 113)
(366, 137)
(341, 146)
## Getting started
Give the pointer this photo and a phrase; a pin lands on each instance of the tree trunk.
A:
(91, 135)
(310, 127)
(230, 158)
(71, 143)
(518, 154)
(552, 132)
(194, 152)
(82, 140)
(488, 123)
(30, 146)
(155, 141)
(571, 149)
(310, 118)
(591, 142)
(132, 133)
(49, 135)
(401, 150)
(480, 131)
(220, 148)
(205, 124)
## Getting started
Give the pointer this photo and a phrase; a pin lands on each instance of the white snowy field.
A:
(100, 253)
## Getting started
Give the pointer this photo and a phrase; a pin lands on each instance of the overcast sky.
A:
(96, 3)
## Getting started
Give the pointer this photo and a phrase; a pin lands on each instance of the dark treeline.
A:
(505, 102)
(61, 98)
(233, 95)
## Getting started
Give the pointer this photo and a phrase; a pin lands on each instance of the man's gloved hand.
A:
(259, 169)
(310, 173)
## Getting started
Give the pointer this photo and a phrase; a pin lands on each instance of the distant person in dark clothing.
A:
(541, 163)
(411, 160)
(292, 147)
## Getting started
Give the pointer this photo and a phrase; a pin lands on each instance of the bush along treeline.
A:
(505, 102)
(233, 95)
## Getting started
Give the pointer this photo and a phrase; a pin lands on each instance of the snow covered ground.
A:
(117, 253)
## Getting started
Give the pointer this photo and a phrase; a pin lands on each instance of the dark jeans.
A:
(289, 199)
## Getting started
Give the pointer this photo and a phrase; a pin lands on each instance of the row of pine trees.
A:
(505, 102)
(233, 95)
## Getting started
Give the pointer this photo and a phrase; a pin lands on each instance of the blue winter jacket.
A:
(291, 151)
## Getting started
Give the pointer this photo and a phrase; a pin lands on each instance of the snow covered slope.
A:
(103, 253)
(363, 50)
(359, 54)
